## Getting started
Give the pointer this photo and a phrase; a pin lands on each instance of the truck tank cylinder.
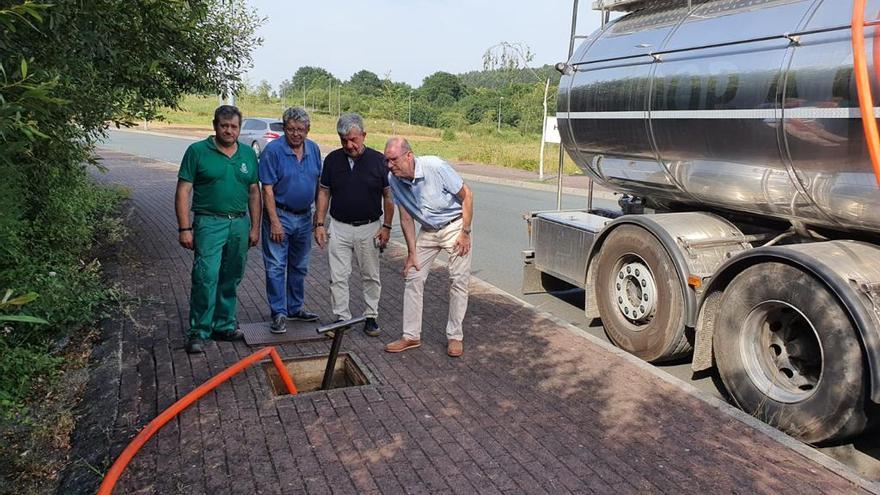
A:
(749, 106)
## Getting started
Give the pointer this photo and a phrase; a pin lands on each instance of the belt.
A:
(293, 212)
(444, 225)
(357, 223)
(222, 215)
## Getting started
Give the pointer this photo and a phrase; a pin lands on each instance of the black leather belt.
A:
(444, 225)
(293, 212)
(357, 223)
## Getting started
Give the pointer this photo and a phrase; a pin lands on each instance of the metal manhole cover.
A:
(297, 331)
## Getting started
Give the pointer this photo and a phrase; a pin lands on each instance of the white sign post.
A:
(550, 135)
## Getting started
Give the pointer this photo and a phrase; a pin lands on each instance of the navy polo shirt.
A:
(293, 181)
(355, 193)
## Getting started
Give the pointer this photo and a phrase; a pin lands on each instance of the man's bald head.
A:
(399, 158)
(398, 143)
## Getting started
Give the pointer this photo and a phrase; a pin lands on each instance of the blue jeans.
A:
(288, 258)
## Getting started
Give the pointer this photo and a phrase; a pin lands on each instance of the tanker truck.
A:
(748, 229)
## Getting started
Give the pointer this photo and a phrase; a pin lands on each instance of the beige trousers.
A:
(428, 246)
(347, 240)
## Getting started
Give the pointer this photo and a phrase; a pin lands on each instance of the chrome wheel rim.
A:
(635, 292)
(781, 351)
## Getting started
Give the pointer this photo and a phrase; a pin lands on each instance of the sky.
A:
(410, 39)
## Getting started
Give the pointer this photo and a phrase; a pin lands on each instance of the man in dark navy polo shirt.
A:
(354, 183)
(289, 171)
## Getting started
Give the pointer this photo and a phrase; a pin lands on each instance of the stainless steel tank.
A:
(713, 105)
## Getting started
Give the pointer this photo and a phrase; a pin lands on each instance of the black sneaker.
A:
(195, 345)
(232, 336)
(371, 327)
(279, 324)
(303, 315)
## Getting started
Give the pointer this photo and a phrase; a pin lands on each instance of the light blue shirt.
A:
(430, 198)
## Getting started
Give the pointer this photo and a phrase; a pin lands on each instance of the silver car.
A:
(258, 132)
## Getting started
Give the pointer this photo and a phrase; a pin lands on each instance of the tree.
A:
(510, 60)
(67, 68)
(263, 91)
(365, 83)
(440, 84)
(309, 77)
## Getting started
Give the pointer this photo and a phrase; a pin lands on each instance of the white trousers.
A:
(428, 246)
(347, 241)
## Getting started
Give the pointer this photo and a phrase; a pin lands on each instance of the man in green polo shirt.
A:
(220, 175)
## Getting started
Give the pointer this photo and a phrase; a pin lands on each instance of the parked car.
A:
(258, 132)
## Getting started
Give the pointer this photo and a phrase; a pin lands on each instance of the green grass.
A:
(480, 143)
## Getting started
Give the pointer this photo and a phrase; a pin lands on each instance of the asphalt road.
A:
(499, 237)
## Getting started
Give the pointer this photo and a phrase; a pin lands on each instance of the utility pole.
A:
(574, 14)
(304, 95)
(500, 98)
(330, 97)
(409, 120)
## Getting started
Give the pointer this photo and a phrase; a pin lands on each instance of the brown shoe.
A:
(455, 348)
(402, 344)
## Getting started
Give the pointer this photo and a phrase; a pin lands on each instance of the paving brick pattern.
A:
(529, 408)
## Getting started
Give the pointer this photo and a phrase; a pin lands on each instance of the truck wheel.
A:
(789, 355)
(639, 296)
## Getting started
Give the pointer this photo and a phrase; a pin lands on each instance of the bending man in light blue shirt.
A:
(427, 190)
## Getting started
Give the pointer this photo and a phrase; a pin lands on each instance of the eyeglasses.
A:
(398, 157)
(296, 130)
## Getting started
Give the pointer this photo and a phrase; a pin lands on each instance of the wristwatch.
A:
(319, 224)
(466, 231)
(184, 229)
(385, 225)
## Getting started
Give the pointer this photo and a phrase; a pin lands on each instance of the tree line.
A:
(443, 100)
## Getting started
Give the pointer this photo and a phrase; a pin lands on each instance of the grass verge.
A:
(44, 368)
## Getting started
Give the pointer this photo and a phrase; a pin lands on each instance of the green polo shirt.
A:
(220, 183)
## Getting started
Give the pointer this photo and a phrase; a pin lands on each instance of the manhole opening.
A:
(308, 372)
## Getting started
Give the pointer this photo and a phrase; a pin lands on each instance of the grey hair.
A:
(296, 114)
(349, 121)
(399, 141)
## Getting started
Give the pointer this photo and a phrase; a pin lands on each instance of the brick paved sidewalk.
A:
(530, 407)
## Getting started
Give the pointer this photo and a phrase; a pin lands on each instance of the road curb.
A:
(601, 194)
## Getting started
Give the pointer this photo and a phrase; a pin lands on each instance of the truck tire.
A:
(640, 297)
(788, 354)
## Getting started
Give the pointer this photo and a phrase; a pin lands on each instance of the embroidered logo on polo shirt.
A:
(243, 168)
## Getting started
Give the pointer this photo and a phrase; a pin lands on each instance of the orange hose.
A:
(876, 51)
(863, 85)
(187, 400)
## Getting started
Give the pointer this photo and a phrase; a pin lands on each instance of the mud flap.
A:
(705, 329)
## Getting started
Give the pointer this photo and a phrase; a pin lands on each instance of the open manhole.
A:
(308, 372)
